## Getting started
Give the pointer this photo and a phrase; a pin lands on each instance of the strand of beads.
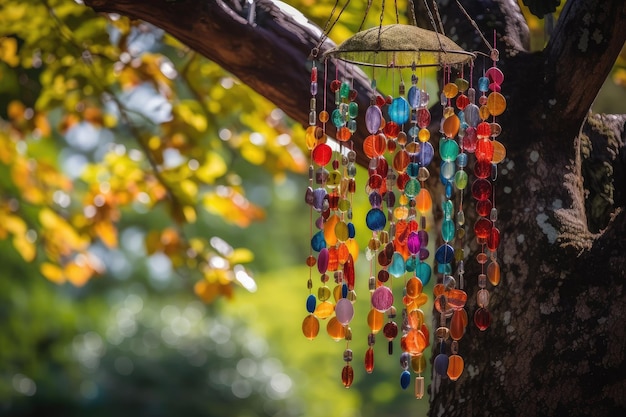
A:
(489, 152)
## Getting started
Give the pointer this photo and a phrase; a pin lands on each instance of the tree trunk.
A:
(558, 340)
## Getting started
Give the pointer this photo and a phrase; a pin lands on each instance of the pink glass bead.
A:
(382, 298)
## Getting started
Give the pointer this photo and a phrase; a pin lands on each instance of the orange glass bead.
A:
(343, 134)
(493, 273)
(333, 259)
(375, 320)
(455, 367)
(413, 342)
(458, 324)
(324, 310)
(311, 261)
(401, 160)
(484, 113)
(310, 327)
(424, 202)
(335, 330)
(451, 126)
(413, 287)
(423, 135)
(353, 248)
(416, 319)
(374, 145)
(324, 116)
(450, 90)
(420, 300)
(496, 103)
(329, 230)
(499, 152)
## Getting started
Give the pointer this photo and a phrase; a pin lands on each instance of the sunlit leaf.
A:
(107, 232)
(241, 255)
(8, 51)
(76, 274)
(213, 167)
(52, 272)
(25, 247)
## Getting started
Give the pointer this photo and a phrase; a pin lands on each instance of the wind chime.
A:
(401, 152)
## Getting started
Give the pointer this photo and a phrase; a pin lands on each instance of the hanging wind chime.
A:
(400, 221)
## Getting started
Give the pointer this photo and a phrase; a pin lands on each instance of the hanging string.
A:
(367, 10)
(412, 10)
(328, 26)
(473, 23)
(432, 22)
(395, 3)
(438, 18)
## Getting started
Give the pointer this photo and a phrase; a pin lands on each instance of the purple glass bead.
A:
(373, 119)
(413, 243)
(382, 298)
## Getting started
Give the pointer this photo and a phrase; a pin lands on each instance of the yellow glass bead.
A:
(310, 327)
(335, 330)
(341, 231)
(423, 135)
(353, 248)
(324, 310)
(323, 293)
(455, 367)
(418, 363)
(499, 152)
(375, 320)
(403, 199)
(324, 116)
(337, 292)
(450, 90)
(310, 138)
(448, 111)
(401, 212)
(484, 112)
(496, 103)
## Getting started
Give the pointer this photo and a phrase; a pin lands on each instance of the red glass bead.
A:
(314, 74)
(401, 160)
(347, 376)
(322, 154)
(493, 240)
(423, 118)
(481, 189)
(483, 130)
(403, 178)
(348, 272)
(383, 275)
(390, 330)
(369, 360)
(482, 228)
(380, 101)
(484, 150)
(391, 130)
(482, 168)
(462, 101)
(375, 181)
(483, 207)
(482, 318)
(335, 85)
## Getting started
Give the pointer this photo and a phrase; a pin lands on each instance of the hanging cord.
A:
(432, 22)
(367, 10)
(328, 27)
(380, 23)
(412, 10)
(492, 49)
(395, 4)
(438, 17)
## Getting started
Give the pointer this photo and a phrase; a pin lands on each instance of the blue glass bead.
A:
(344, 290)
(413, 132)
(405, 379)
(351, 125)
(461, 160)
(461, 116)
(376, 219)
(373, 119)
(426, 154)
(376, 200)
(414, 97)
(448, 208)
(444, 254)
(444, 268)
(397, 267)
(448, 169)
(441, 365)
(399, 110)
(449, 189)
(310, 303)
(338, 119)
(413, 169)
(448, 149)
(483, 84)
(472, 115)
(448, 230)
(423, 272)
(351, 230)
(412, 188)
(318, 242)
(411, 264)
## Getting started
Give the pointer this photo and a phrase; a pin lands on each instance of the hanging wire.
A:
(473, 23)
(395, 4)
(328, 26)
(367, 10)
(432, 22)
(438, 18)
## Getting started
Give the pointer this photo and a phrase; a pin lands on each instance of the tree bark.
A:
(558, 340)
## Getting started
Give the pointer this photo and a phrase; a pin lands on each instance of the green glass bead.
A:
(460, 180)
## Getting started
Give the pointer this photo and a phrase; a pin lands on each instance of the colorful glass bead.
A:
(405, 379)
(413, 97)
(423, 202)
(483, 84)
(493, 273)
(483, 207)
(481, 189)
(390, 330)
(376, 219)
(322, 154)
(347, 376)
(450, 90)
(449, 149)
(444, 254)
(482, 228)
(413, 243)
(496, 103)
(369, 360)
(324, 310)
(382, 298)
(441, 364)
(495, 75)
(455, 367)
(375, 320)
(397, 267)
(499, 152)
(399, 110)
(482, 298)
(423, 118)
(310, 327)
(493, 240)
(335, 329)
(472, 115)
(461, 179)
(426, 154)
(482, 168)
(482, 318)
(373, 118)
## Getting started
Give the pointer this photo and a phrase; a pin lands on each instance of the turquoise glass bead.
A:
(483, 84)
(448, 230)
(318, 242)
(397, 267)
(423, 271)
(399, 110)
(448, 149)
(412, 188)
(353, 110)
(338, 119)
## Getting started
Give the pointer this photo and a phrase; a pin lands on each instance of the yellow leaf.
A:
(52, 272)
(241, 255)
(213, 168)
(190, 214)
(253, 153)
(25, 247)
(107, 232)
(190, 189)
(8, 51)
(78, 275)
(14, 224)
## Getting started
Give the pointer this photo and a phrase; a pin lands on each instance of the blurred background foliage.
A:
(153, 230)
